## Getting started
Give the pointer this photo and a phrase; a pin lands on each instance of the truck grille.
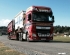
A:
(43, 32)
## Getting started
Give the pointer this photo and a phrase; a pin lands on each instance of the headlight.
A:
(34, 35)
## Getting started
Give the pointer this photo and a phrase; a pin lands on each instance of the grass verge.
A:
(7, 51)
(61, 38)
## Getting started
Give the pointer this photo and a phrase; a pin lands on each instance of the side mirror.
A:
(53, 18)
(29, 17)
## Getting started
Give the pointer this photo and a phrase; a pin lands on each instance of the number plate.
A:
(43, 39)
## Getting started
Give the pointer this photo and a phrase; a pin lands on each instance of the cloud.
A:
(4, 22)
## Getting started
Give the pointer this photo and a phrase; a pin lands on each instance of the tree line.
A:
(62, 29)
(57, 29)
(3, 30)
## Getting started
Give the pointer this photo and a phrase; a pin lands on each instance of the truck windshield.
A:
(41, 16)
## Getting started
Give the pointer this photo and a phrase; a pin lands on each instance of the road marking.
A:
(37, 52)
(62, 53)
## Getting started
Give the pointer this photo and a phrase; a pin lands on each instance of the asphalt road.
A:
(37, 48)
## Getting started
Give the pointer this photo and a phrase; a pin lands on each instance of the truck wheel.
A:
(20, 36)
(27, 36)
(24, 36)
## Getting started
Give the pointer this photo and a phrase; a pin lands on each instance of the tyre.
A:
(9, 37)
(27, 37)
(17, 36)
(20, 36)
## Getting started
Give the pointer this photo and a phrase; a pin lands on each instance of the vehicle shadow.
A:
(60, 41)
(52, 41)
(44, 41)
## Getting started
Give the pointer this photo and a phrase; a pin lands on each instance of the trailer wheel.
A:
(17, 36)
(9, 37)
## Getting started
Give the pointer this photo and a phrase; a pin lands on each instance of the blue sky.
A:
(60, 8)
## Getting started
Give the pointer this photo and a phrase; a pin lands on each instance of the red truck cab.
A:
(39, 23)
